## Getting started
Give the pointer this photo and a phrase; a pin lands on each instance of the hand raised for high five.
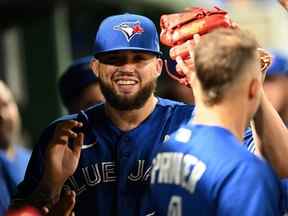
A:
(265, 60)
(61, 160)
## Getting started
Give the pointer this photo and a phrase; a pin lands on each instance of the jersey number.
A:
(175, 206)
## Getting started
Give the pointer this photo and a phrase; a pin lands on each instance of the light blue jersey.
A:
(205, 170)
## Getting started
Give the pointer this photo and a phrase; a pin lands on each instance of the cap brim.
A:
(137, 49)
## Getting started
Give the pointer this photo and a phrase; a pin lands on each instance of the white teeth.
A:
(126, 82)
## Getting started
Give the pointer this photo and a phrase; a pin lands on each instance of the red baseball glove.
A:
(178, 29)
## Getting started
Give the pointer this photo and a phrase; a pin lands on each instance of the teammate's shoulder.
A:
(162, 102)
(179, 140)
(251, 166)
(167, 102)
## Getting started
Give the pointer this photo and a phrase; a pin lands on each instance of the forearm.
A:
(271, 137)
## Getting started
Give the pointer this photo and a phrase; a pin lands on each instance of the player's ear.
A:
(254, 89)
(94, 65)
(159, 66)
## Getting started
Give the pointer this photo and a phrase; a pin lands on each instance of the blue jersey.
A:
(11, 173)
(114, 168)
(205, 170)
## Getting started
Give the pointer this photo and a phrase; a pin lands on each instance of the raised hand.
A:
(265, 60)
(61, 160)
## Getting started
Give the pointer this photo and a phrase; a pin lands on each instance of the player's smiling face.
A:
(127, 79)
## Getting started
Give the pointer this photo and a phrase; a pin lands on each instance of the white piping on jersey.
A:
(88, 146)
(151, 214)
(252, 147)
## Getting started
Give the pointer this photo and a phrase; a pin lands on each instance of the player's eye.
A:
(113, 60)
(141, 57)
(119, 60)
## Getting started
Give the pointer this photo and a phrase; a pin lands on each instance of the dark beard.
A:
(124, 103)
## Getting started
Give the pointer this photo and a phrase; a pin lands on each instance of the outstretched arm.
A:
(269, 131)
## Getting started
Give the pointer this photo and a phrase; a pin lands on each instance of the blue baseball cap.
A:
(76, 78)
(279, 64)
(126, 32)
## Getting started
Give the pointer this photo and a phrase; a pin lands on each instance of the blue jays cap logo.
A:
(129, 29)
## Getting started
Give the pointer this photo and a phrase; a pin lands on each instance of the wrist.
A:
(49, 187)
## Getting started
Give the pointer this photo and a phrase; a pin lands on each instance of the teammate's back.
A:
(204, 169)
(208, 172)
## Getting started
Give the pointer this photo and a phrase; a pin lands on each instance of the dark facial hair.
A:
(124, 103)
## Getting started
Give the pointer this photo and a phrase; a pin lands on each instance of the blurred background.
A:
(39, 39)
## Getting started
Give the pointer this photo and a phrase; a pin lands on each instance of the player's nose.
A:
(129, 66)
